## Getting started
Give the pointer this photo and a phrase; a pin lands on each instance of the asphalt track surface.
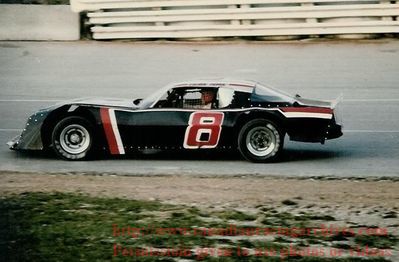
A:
(34, 75)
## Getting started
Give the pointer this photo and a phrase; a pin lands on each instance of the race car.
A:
(243, 115)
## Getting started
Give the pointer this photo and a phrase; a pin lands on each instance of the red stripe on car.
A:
(321, 110)
(109, 132)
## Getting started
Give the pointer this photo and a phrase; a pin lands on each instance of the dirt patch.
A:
(362, 202)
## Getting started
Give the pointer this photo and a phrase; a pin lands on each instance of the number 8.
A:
(200, 125)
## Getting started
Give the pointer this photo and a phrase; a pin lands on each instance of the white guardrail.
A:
(144, 19)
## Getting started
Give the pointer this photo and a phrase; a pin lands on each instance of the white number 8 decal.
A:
(203, 130)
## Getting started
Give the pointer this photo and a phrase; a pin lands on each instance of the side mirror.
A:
(137, 101)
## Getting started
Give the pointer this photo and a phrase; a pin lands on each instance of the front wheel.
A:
(260, 141)
(72, 138)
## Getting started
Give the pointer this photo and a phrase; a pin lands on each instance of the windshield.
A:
(150, 100)
(271, 94)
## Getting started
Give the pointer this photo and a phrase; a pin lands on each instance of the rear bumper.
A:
(314, 130)
(334, 131)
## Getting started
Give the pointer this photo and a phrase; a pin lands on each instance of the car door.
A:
(177, 122)
(157, 128)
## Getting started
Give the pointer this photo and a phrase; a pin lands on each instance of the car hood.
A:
(96, 101)
(102, 102)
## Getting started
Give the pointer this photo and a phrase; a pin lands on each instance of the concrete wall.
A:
(38, 22)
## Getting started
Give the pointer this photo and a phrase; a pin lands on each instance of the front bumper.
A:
(13, 143)
(30, 138)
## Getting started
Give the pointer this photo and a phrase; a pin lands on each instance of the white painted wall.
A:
(38, 22)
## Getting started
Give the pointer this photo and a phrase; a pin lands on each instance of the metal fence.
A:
(135, 19)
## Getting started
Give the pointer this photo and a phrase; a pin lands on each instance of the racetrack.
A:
(34, 75)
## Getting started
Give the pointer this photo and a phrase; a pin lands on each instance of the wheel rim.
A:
(75, 139)
(261, 141)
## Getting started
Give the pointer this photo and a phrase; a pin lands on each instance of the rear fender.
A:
(268, 115)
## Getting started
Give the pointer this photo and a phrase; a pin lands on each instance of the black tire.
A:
(260, 141)
(73, 138)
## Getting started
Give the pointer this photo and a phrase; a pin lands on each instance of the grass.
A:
(37, 226)
(73, 227)
(235, 215)
(375, 241)
(266, 245)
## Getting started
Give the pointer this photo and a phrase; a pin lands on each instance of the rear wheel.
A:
(260, 140)
(72, 138)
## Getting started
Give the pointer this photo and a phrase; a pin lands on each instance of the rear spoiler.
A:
(336, 101)
(320, 103)
(335, 105)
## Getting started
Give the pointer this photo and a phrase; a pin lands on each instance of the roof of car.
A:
(239, 85)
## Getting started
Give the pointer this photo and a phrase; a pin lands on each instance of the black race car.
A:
(193, 115)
